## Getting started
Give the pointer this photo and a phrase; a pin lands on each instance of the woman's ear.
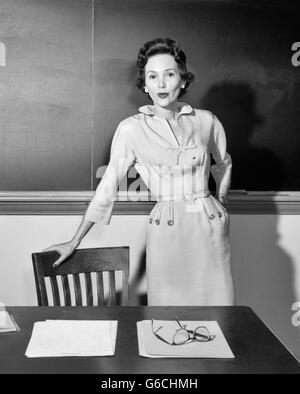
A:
(146, 90)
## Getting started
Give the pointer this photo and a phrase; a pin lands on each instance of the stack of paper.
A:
(7, 322)
(64, 338)
(151, 346)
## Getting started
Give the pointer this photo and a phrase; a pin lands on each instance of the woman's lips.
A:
(163, 95)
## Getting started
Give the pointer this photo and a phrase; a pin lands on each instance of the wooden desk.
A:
(256, 349)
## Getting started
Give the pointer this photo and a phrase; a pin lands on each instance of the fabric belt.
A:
(184, 197)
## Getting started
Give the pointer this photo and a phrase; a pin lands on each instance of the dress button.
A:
(157, 221)
(194, 157)
(212, 216)
(220, 214)
(170, 222)
(150, 220)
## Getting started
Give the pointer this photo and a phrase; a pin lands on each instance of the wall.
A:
(265, 249)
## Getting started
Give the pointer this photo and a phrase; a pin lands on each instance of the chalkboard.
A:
(241, 55)
(70, 78)
(45, 95)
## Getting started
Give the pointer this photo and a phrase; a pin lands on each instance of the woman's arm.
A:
(100, 208)
(221, 170)
(67, 248)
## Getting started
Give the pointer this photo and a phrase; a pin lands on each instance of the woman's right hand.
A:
(67, 248)
(64, 249)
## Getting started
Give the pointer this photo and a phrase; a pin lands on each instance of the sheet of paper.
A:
(64, 338)
(151, 346)
(7, 322)
(3, 319)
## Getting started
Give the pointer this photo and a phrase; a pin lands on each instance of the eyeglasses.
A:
(182, 335)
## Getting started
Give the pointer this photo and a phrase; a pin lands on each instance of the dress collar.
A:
(149, 109)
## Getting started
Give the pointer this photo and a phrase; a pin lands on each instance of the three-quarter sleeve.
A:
(221, 170)
(122, 157)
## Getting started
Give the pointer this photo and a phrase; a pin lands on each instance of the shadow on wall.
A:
(264, 273)
(255, 167)
(137, 297)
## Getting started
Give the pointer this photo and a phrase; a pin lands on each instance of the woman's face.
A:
(162, 80)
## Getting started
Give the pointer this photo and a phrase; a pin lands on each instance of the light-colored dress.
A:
(188, 260)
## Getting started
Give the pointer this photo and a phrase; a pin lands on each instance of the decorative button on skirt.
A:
(188, 253)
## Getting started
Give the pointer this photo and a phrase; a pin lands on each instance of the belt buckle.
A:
(190, 198)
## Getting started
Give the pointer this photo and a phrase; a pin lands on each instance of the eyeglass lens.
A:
(201, 334)
(181, 336)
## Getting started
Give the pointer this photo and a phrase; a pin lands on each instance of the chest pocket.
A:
(189, 155)
(192, 156)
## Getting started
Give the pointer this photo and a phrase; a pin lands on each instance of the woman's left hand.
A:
(223, 199)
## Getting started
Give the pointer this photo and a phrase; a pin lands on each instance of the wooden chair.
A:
(82, 261)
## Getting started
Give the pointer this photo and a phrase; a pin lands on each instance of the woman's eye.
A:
(151, 76)
(171, 74)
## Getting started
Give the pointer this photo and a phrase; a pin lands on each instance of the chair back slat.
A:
(43, 298)
(100, 288)
(125, 292)
(40, 284)
(88, 289)
(77, 289)
(82, 261)
(55, 291)
(112, 288)
(66, 289)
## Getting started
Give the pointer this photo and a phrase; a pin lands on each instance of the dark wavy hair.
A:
(160, 46)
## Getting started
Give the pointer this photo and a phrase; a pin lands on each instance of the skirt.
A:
(188, 257)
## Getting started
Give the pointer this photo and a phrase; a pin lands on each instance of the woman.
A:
(169, 143)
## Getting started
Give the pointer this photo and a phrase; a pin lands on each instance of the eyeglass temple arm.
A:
(157, 335)
(180, 325)
(162, 339)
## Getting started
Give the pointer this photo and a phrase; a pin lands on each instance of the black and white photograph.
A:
(149, 190)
